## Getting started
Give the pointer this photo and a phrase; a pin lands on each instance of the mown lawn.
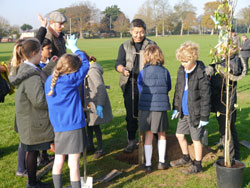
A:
(114, 133)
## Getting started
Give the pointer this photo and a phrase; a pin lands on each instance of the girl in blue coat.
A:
(154, 83)
(66, 112)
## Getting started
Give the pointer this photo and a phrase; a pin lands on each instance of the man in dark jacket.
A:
(55, 33)
(245, 49)
(191, 104)
(128, 64)
(218, 102)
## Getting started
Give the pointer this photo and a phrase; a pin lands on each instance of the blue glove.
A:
(202, 124)
(71, 43)
(175, 114)
(99, 111)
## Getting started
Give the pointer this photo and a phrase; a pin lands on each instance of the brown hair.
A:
(188, 51)
(67, 64)
(153, 55)
(90, 58)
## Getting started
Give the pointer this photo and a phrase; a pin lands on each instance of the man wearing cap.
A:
(245, 49)
(55, 34)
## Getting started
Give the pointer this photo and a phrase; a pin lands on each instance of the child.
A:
(46, 52)
(34, 128)
(154, 83)
(46, 43)
(66, 112)
(191, 104)
(97, 104)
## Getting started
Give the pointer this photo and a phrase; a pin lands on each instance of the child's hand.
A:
(202, 124)
(54, 58)
(175, 114)
(99, 111)
(71, 43)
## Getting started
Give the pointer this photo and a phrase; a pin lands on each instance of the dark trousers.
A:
(98, 133)
(234, 144)
(131, 109)
(246, 62)
(21, 160)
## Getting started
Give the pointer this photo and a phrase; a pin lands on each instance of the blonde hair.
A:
(188, 51)
(67, 64)
(153, 55)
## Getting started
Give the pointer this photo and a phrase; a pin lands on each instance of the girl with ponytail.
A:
(34, 128)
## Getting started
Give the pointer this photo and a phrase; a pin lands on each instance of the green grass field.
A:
(114, 133)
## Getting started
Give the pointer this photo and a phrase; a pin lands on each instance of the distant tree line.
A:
(87, 21)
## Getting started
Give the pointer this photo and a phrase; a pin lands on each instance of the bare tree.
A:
(190, 21)
(121, 24)
(182, 9)
(209, 9)
(244, 15)
(4, 27)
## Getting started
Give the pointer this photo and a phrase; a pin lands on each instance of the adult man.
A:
(235, 38)
(128, 64)
(55, 34)
(245, 49)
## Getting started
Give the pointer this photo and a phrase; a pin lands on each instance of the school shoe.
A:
(162, 166)
(193, 169)
(39, 184)
(22, 174)
(148, 169)
(98, 154)
(131, 146)
(180, 162)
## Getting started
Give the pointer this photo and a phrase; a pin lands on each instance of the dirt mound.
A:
(173, 152)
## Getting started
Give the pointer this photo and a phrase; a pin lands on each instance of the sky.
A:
(18, 12)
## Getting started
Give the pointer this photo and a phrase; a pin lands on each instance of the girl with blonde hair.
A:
(66, 112)
(154, 83)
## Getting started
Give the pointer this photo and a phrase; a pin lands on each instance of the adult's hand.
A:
(43, 21)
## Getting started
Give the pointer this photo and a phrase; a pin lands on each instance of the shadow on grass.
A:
(108, 65)
(8, 150)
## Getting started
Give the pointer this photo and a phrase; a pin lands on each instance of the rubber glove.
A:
(175, 114)
(99, 111)
(202, 124)
(71, 43)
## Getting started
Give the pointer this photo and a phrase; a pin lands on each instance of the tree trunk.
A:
(181, 28)
(228, 138)
(156, 31)
(163, 29)
(121, 35)
(212, 32)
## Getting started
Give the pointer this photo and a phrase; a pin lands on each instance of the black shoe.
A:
(148, 169)
(39, 184)
(193, 169)
(180, 162)
(162, 166)
(98, 154)
(131, 146)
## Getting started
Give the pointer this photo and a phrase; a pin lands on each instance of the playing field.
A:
(114, 133)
